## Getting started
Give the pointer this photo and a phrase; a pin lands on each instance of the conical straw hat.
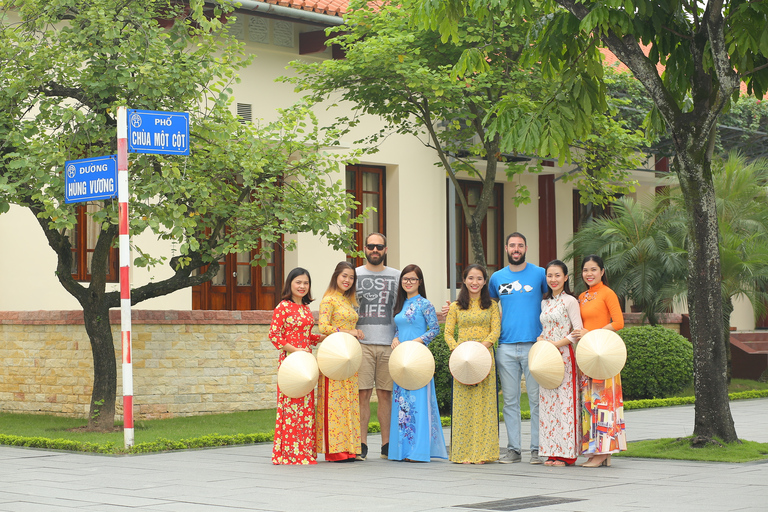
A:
(546, 364)
(298, 374)
(601, 354)
(411, 365)
(470, 362)
(339, 356)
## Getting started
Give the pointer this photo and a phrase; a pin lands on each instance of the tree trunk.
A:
(97, 325)
(476, 240)
(712, 414)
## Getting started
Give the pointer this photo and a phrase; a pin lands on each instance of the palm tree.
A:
(640, 253)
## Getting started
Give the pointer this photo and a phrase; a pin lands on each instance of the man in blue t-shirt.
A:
(519, 288)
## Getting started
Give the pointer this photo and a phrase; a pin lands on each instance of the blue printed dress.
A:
(416, 432)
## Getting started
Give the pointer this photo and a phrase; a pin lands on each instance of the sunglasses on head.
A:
(378, 247)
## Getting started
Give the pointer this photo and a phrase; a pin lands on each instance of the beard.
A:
(374, 258)
(513, 262)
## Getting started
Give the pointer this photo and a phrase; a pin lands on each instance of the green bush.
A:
(659, 362)
(443, 377)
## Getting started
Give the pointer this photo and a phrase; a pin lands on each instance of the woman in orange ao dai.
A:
(603, 404)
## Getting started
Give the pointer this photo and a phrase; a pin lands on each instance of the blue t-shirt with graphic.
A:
(519, 295)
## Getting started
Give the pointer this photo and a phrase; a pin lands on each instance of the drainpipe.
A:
(286, 12)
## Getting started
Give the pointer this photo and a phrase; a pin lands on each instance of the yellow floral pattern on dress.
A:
(475, 418)
(337, 416)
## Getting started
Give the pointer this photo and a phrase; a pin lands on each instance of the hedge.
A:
(659, 362)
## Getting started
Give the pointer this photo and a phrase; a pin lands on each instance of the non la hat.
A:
(339, 356)
(546, 364)
(470, 362)
(298, 374)
(411, 365)
(601, 354)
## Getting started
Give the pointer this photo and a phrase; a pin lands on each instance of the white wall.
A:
(415, 215)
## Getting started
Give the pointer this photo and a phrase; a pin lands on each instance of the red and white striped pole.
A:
(125, 267)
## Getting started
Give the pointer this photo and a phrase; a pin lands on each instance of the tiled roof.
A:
(330, 7)
(609, 59)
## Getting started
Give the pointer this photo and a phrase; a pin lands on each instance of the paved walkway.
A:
(243, 479)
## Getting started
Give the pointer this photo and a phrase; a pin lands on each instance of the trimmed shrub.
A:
(443, 377)
(659, 362)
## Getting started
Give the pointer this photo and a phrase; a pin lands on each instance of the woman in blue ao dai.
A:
(416, 432)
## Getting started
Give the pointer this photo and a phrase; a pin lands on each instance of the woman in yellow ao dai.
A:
(475, 415)
(337, 416)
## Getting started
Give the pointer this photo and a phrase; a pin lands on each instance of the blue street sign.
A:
(90, 179)
(160, 133)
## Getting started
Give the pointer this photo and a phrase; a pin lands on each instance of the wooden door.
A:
(240, 286)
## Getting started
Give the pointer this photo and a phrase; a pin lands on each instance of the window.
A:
(366, 183)
(245, 112)
(82, 240)
(492, 229)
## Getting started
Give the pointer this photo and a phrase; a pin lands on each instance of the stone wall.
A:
(184, 362)
(674, 321)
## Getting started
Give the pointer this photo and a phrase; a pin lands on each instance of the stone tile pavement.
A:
(243, 479)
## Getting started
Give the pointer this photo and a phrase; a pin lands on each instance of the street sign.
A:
(160, 133)
(90, 179)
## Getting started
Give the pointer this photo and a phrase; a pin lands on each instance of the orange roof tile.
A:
(609, 59)
(330, 7)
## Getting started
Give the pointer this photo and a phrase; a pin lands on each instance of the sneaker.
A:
(385, 451)
(510, 457)
(364, 450)
(535, 458)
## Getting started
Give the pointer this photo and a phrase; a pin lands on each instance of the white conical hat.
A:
(546, 364)
(298, 374)
(470, 362)
(339, 356)
(601, 354)
(411, 365)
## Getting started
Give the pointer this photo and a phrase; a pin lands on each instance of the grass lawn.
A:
(174, 429)
(681, 449)
(55, 427)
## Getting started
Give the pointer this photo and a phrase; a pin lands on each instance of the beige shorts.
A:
(375, 367)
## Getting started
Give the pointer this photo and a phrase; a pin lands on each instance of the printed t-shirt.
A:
(519, 295)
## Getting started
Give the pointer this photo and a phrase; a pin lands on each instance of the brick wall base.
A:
(184, 362)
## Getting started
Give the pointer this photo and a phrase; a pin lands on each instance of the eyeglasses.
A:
(378, 247)
(411, 280)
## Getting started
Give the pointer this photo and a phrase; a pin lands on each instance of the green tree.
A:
(707, 49)
(65, 67)
(404, 76)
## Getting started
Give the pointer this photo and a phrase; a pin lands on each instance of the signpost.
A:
(105, 177)
(159, 133)
(139, 131)
(90, 179)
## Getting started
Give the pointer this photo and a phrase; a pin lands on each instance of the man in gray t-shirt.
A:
(376, 294)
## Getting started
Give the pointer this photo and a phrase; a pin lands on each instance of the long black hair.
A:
(566, 286)
(597, 259)
(485, 295)
(293, 274)
(401, 295)
(333, 286)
